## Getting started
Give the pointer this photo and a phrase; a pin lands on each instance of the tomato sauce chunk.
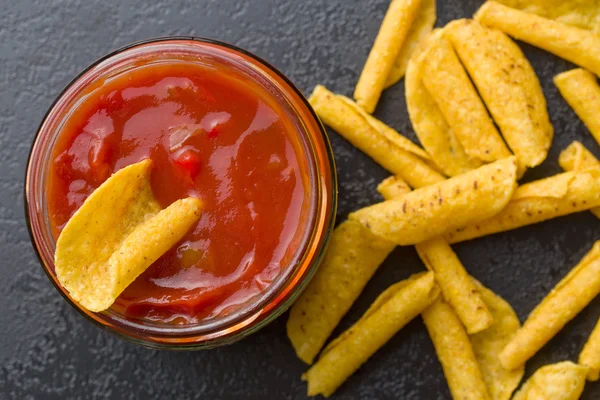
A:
(211, 135)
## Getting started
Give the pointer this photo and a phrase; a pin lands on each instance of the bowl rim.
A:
(224, 334)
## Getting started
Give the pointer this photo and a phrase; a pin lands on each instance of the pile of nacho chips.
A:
(477, 107)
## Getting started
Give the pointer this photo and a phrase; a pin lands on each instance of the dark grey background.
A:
(49, 351)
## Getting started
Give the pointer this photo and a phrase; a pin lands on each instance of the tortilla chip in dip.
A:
(117, 233)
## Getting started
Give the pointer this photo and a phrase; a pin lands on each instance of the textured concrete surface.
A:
(48, 351)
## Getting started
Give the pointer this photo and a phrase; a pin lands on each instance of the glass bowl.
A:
(322, 186)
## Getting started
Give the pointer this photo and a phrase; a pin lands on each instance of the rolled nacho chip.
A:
(388, 43)
(581, 13)
(577, 158)
(420, 28)
(487, 345)
(580, 46)
(582, 92)
(116, 234)
(449, 85)
(508, 86)
(390, 312)
(455, 352)
(433, 210)
(562, 304)
(590, 355)
(562, 381)
(391, 150)
(393, 187)
(458, 289)
(432, 129)
(538, 201)
(352, 257)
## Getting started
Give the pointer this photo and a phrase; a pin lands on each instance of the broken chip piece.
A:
(561, 381)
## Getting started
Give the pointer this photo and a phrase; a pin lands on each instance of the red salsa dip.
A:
(211, 134)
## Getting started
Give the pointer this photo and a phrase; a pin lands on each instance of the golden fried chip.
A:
(582, 92)
(487, 345)
(457, 286)
(433, 210)
(449, 85)
(429, 123)
(352, 257)
(590, 355)
(390, 39)
(538, 201)
(581, 13)
(390, 312)
(392, 187)
(420, 28)
(562, 304)
(455, 353)
(99, 252)
(388, 148)
(577, 158)
(580, 46)
(561, 381)
(508, 86)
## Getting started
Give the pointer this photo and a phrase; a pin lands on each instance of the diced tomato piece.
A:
(214, 132)
(189, 160)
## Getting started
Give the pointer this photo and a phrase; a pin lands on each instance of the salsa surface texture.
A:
(211, 134)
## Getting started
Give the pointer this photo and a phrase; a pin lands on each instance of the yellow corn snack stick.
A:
(420, 28)
(576, 158)
(432, 129)
(392, 151)
(456, 285)
(582, 92)
(352, 257)
(562, 304)
(582, 13)
(590, 355)
(447, 82)
(487, 345)
(561, 381)
(117, 233)
(392, 187)
(538, 201)
(388, 43)
(390, 312)
(580, 46)
(508, 86)
(455, 353)
(433, 210)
